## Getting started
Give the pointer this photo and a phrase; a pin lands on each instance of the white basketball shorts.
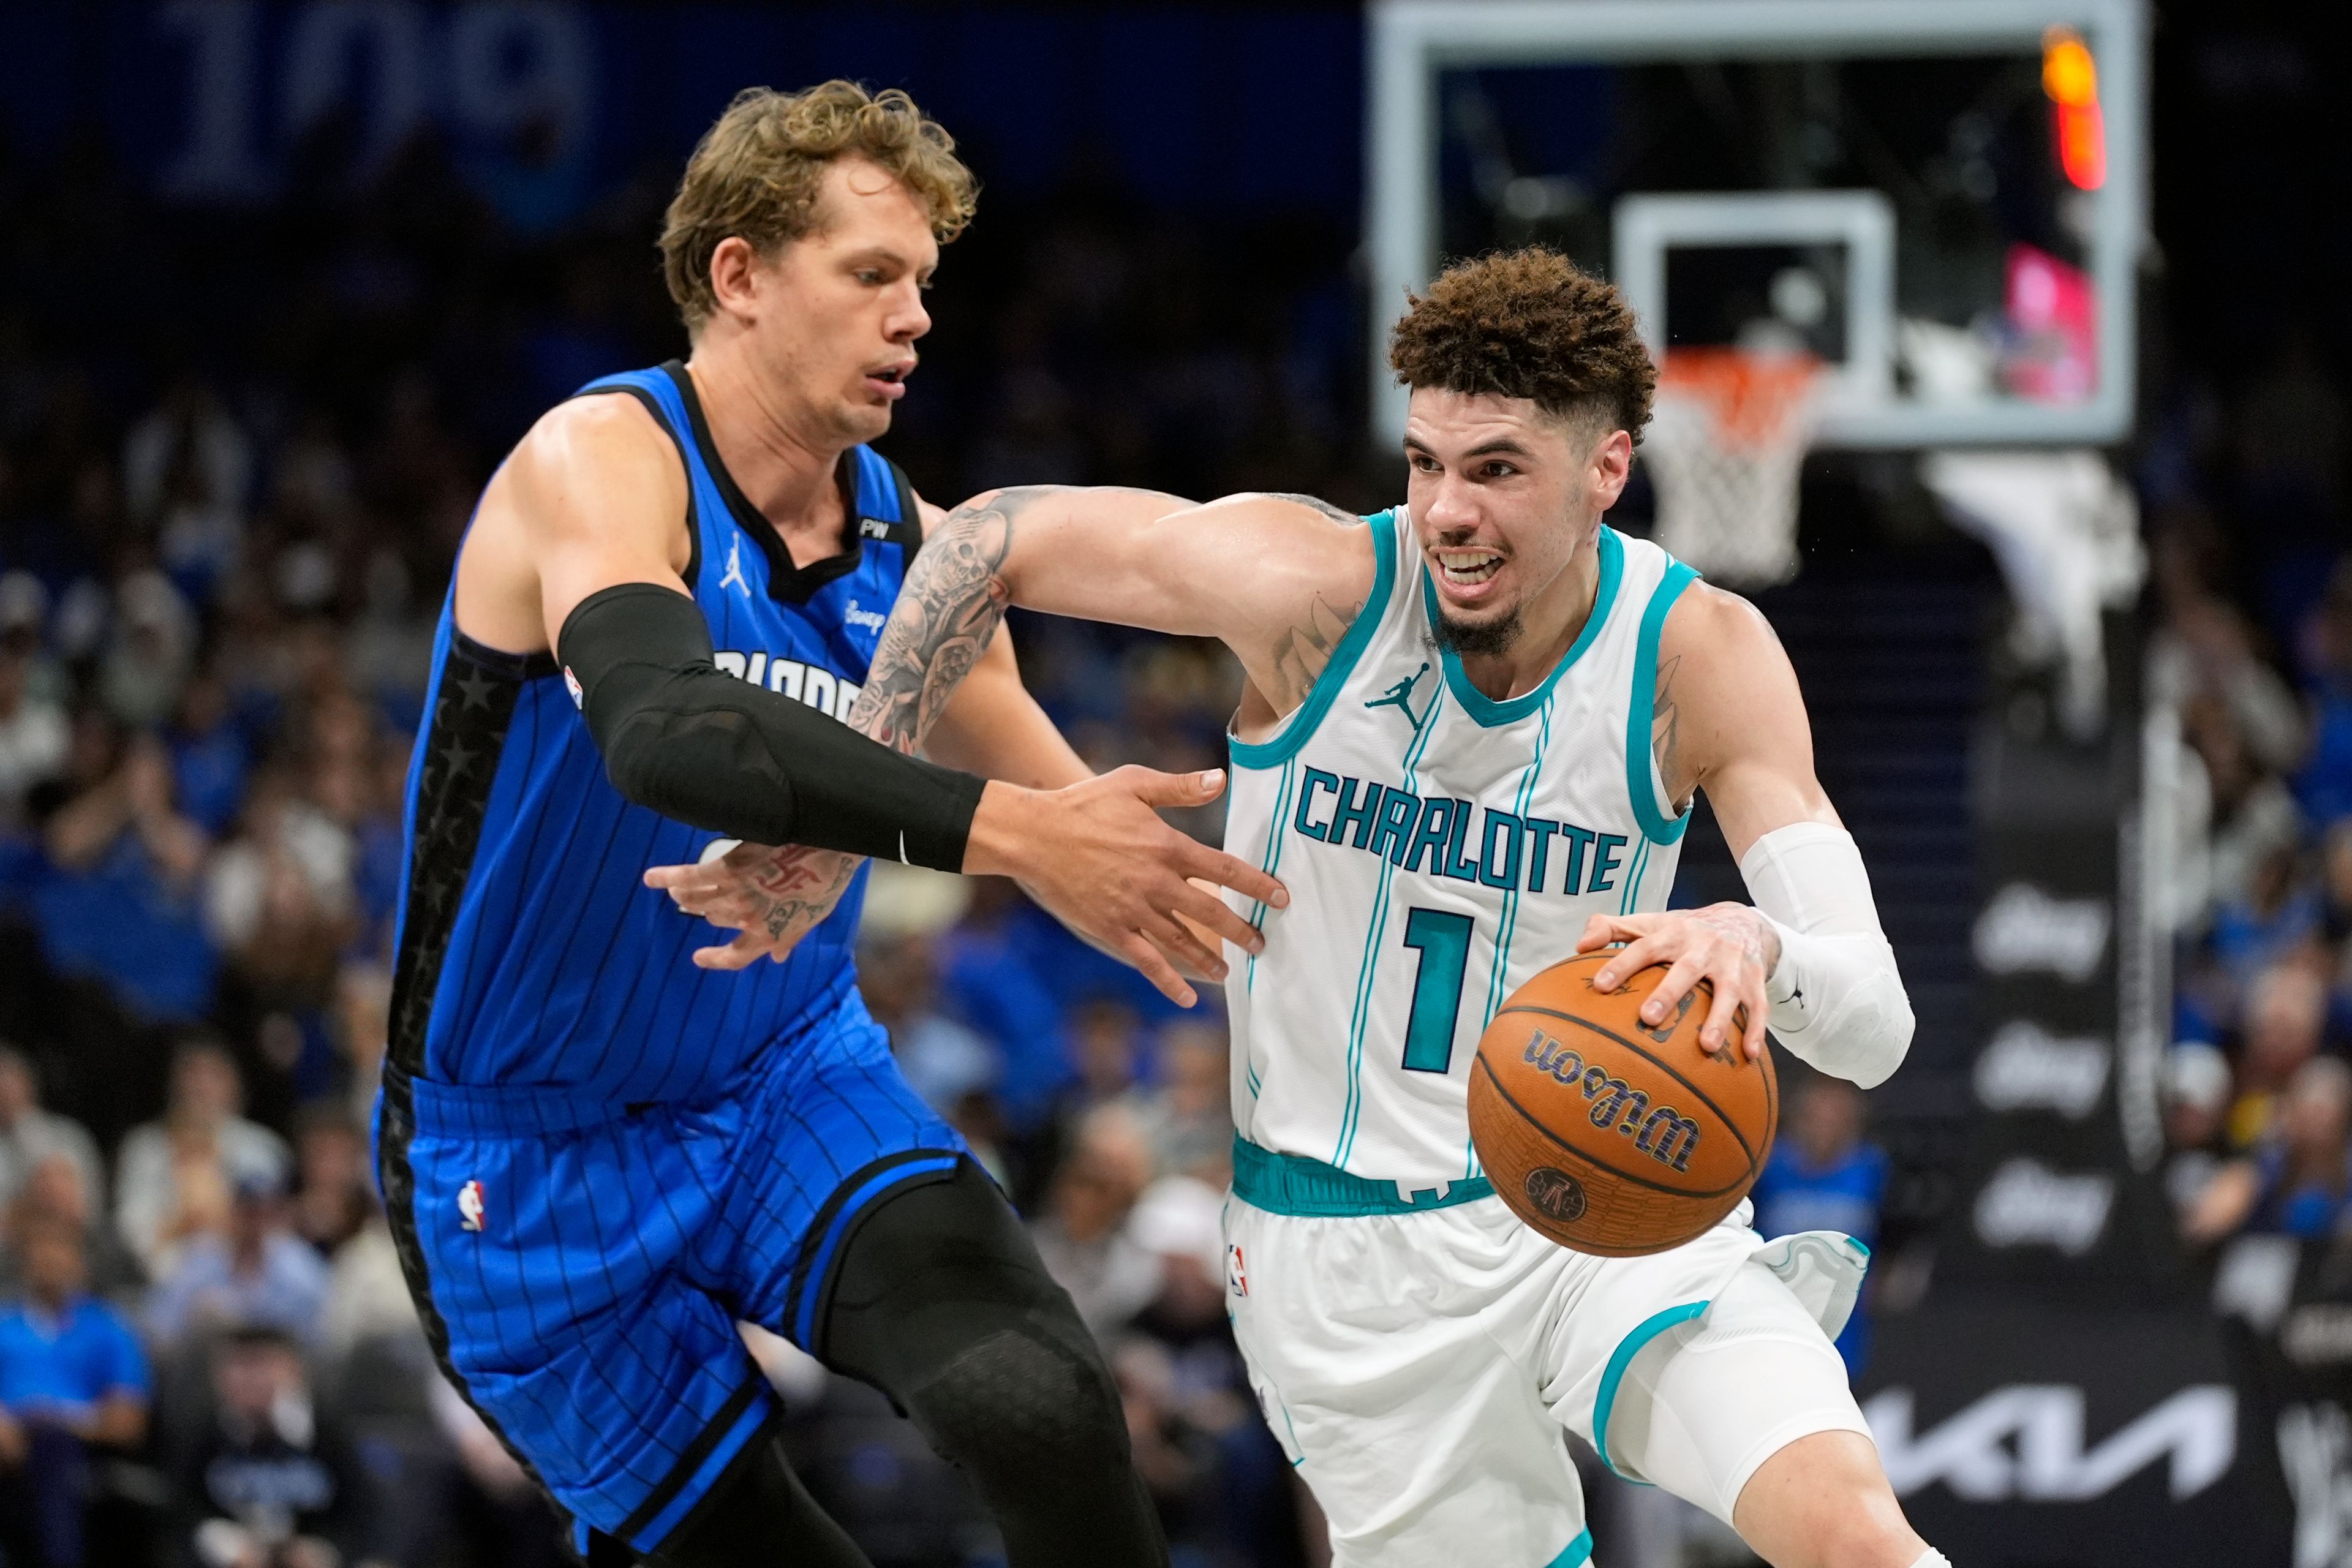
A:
(1418, 1369)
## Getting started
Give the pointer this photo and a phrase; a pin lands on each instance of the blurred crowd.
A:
(2255, 650)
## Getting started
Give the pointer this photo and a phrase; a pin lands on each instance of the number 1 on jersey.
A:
(1442, 940)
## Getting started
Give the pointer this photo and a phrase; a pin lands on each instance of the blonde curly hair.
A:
(756, 171)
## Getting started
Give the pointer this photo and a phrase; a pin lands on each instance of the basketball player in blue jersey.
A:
(1471, 732)
(598, 1156)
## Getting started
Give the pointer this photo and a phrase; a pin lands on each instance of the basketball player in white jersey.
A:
(1470, 737)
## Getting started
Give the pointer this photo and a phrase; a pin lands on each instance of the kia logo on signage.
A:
(2027, 1201)
(2025, 1067)
(2024, 1442)
(2024, 929)
(2314, 1443)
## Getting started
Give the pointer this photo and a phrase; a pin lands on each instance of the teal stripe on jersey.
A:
(1641, 711)
(1576, 1553)
(1510, 922)
(1519, 803)
(1632, 899)
(1310, 1189)
(1370, 966)
(1492, 712)
(1292, 733)
(1614, 1374)
(1257, 910)
(1274, 838)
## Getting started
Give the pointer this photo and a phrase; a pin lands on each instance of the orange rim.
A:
(1754, 397)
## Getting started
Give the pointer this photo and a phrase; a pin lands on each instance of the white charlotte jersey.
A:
(1440, 848)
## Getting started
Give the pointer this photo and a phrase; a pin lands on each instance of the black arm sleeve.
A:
(706, 749)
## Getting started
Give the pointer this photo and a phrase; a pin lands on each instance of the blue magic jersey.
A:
(530, 949)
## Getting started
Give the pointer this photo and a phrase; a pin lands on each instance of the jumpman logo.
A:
(735, 566)
(1400, 697)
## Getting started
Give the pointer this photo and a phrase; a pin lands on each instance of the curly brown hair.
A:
(755, 174)
(1528, 324)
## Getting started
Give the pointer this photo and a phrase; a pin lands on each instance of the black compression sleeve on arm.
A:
(706, 749)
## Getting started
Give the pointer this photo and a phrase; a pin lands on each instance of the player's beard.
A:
(1479, 638)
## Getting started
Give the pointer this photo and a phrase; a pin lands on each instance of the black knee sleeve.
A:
(940, 1301)
(759, 1513)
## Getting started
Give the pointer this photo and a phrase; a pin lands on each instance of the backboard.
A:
(1944, 200)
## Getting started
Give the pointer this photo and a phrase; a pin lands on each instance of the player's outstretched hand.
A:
(1729, 945)
(1099, 858)
(772, 896)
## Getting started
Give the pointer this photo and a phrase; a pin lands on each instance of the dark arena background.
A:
(2067, 590)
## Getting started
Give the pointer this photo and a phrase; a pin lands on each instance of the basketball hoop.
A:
(1726, 438)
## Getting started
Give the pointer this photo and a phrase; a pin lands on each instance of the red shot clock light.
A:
(2070, 79)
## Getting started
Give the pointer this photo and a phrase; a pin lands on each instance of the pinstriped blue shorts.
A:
(581, 1266)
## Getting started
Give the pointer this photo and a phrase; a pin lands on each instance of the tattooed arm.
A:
(1278, 579)
(994, 728)
(776, 894)
(1092, 854)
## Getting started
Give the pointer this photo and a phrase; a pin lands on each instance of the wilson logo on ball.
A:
(1665, 1133)
(1663, 1137)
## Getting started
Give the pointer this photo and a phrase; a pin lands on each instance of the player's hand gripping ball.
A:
(1609, 1136)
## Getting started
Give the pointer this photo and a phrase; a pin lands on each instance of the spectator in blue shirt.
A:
(1825, 1175)
(71, 1377)
(210, 761)
(987, 982)
(2298, 1180)
(119, 902)
(259, 1274)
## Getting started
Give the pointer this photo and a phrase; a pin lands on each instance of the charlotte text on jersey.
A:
(1385, 820)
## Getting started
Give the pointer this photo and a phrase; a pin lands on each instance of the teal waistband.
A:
(1295, 1184)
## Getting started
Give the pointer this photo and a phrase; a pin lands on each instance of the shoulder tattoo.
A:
(1336, 514)
(1665, 721)
(1304, 651)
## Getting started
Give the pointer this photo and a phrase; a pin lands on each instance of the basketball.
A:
(1605, 1134)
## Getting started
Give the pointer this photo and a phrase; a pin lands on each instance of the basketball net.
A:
(1727, 435)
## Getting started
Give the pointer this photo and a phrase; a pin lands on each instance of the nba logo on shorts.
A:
(1236, 1278)
(470, 1206)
